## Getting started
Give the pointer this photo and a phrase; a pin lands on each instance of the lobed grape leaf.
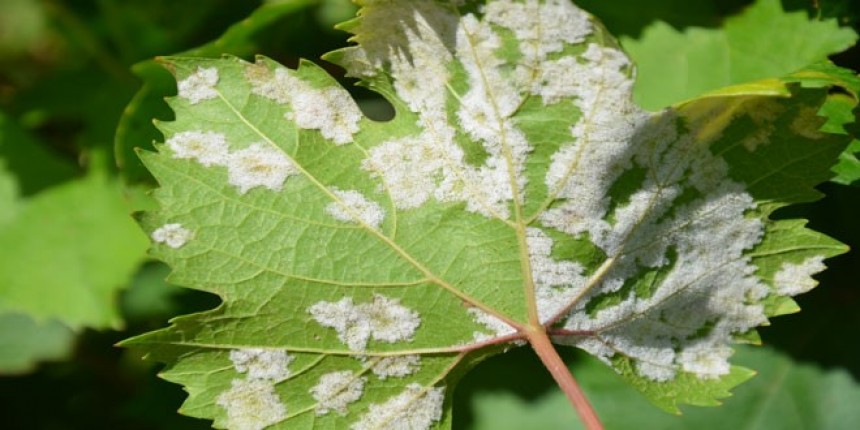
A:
(761, 42)
(518, 192)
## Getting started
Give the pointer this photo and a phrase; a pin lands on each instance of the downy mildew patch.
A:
(336, 390)
(384, 319)
(251, 404)
(199, 85)
(173, 235)
(416, 408)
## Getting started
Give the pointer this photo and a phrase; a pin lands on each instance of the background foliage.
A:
(78, 89)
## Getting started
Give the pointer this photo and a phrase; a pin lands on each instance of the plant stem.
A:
(550, 358)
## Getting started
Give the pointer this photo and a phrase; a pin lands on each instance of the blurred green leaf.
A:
(67, 252)
(34, 166)
(762, 42)
(785, 395)
(24, 342)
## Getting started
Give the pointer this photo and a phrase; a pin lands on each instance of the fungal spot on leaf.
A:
(397, 367)
(173, 235)
(383, 319)
(199, 85)
(259, 166)
(807, 123)
(208, 148)
(264, 364)
(794, 279)
(556, 282)
(336, 390)
(763, 114)
(416, 408)
(251, 404)
(331, 110)
(354, 207)
(492, 323)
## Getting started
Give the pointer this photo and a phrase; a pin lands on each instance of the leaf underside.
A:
(364, 266)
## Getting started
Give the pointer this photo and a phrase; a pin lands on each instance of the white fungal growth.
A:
(707, 361)
(251, 404)
(208, 148)
(560, 22)
(354, 207)
(397, 367)
(331, 110)
(278, 86)
(383, 319)
(200, 85)
(492, 323)
(556, 282)
(794, 279)
(417, 408)
(259, 166)
(173, 235)
(336, 390)
(264, 364)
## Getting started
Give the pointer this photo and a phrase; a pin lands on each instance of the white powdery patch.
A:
(417, 408)
(259, 166)
(706, 360)
(794, 279)
(173, 235)
(542, 28)
(491, 322)
(270, 365)
(397, 367)
(354, 207)
(383, 319)
(583, 171)
(208, 148)
(336, 390)
(556, 282)
(279, 86)
(251, 404)
(330, 110)
(199, 85)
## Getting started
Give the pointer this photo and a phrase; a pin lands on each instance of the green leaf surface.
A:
(764, 41)
(784, 395)
(518, 191)
(67, 251)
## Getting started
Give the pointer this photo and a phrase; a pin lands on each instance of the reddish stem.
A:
(550, 358)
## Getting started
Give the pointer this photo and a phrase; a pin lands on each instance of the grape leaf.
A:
(66, 251)
(518, 194)
(785, 394)
(764, 41)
